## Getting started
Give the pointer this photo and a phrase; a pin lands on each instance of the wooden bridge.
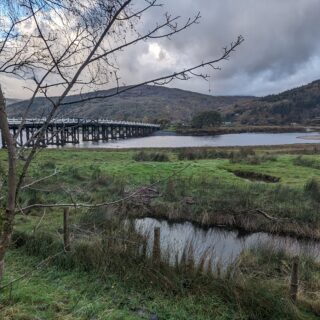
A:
(62, 131)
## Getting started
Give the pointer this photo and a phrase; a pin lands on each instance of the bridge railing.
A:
(75, 121)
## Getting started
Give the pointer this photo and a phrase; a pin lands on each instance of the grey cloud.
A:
(281, 38)
(281, 48)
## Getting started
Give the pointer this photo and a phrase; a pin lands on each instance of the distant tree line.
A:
(206, 119)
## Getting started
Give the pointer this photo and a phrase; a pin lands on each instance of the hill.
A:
(149, 103)
(300, 105)
(12, 101)
(146, 103)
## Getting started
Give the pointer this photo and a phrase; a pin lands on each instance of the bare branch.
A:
(181, 75)
(107, 203)
(40, 180)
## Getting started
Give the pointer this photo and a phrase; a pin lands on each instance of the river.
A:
(163, 139)
(171, 140)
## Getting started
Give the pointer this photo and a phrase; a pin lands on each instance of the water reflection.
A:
(224, 246)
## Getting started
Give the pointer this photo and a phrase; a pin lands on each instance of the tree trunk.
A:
(8, 215)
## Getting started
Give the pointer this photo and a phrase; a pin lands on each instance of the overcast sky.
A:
(281, 48)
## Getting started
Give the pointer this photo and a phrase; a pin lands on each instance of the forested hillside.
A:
(299, 105)
(147, 103)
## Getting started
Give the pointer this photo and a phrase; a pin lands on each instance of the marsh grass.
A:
(312, 187)
(269, 262)
(249, 156)
(305, 161)
(243, 155)
(116, 249)
(196, 154)
(212, 202)
(151, 156)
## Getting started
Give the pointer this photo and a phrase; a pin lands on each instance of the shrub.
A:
(206, 119)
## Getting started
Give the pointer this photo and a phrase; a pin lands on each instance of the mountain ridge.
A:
(145, 103)
(154, 103)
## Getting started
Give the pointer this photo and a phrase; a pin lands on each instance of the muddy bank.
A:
(251, 221)
(315, 138)
(254, 176)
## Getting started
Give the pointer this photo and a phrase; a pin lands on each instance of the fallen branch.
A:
(266, 215)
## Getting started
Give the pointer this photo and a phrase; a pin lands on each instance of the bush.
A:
(206, 119)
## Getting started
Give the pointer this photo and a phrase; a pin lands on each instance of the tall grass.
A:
(306, 162)
(151, 156)
(243, 155)
(211, 201)
(312, 188)
(194, 154)
(117, 249)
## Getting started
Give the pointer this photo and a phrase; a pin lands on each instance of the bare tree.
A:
(71, 46)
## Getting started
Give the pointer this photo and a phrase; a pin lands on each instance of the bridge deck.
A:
(75, 121)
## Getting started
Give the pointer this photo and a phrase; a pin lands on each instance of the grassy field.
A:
(105, 277)
(53, 292)
(205, 186)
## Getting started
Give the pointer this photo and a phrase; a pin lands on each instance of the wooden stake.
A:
(156, 255)
(294, 282)
(66, 231)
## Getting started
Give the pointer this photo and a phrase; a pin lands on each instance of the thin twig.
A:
(38, 224)
(39, 180)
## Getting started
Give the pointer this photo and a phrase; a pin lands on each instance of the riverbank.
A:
(316, 138)
(242, 129)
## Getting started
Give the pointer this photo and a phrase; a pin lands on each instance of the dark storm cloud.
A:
(281, 47)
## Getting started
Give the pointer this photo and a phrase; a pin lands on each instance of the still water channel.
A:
(223, 246)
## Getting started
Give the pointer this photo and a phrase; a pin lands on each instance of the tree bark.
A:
(7, 216)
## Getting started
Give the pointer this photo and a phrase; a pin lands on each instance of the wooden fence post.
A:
(294, 281)
(156, 255)
(66, 230)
